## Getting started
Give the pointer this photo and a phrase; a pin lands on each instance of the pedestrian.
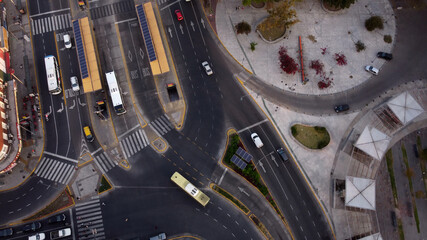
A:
(237, 8)
(126, 220)
(47, 117)
(103, 204)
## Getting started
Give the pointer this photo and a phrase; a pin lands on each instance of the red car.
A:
(179, 15)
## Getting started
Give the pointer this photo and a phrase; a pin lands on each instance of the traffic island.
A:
(230, 198)
(250, 172)
(311, 137)
(63, 201)
(104, 186)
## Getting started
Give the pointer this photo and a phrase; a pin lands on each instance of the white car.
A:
(257, 140)
(75, 83)
(207, 68)
(372, 70)
(67, 41)
(38, 236)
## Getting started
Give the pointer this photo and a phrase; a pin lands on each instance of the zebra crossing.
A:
(104, 162)
(50, 24)
(162, 125)
(55, 170)
(89, 220)
(134, 143)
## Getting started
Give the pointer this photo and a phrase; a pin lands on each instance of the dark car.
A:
(282, 154)
(386, 56)
(32, 227)
(6, 232)
(57, 218)
(341, 108)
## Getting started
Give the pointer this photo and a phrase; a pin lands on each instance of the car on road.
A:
(67, 41)
(372, 70)
(60, 233)
(38, 236)
(57, 218)
(386, 56)
(88, 133)
(178, 15)
(282, 154)
(75, 84)
(32, 227)
(341, 108)
(207, 68)
(6, 232)
(257, 140)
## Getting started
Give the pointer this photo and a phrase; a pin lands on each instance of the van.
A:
(257, 140)
(282, 154)
(88, 134)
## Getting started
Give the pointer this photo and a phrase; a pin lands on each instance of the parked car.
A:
(386, 56)
(207, 68)
(282, 154)
(32, 227)
(57, 218)
(75, 84)
(67, 41)
(341, 108)
(38, 236)
(257, 140)
(178, 15)
(6, 232)
(57, 234)
(372, 70)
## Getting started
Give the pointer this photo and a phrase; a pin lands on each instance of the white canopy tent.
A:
(405, 107)
(360, 193)
(376, 236)
(373, 142)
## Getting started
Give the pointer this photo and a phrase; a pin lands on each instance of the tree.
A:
(243, 27)
(283, 14)
(339, 3)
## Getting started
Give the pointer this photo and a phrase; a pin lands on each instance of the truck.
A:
(161, 236)
(60, 233)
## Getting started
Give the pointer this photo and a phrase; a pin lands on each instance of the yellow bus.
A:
(190, 188)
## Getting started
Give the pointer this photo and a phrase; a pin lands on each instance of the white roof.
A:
(376, 236)
(373, 142)
(360, 193)
(405, 107)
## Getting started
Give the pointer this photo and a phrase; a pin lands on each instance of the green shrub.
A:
(360, 46)
(294, 131)
(388, 39)
(243, 27)
(253, 44)
(374, 22)
(322, 144)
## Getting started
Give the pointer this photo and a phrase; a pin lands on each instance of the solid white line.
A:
(45, 13)
(97, 150)
(222, 176)
(253, 125)
(127, 20)
(62, 157)
(128, 131)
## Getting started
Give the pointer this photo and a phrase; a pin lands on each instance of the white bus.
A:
(52, 74)
(115, 94)
(189, 188)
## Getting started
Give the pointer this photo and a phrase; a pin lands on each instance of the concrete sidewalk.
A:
(21, 61)
(337, 32)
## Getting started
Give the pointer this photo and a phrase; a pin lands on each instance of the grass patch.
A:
(269, 31)
(63, 201)
(250, 173)
(104, 186)
(423, 161)
(400, 227)
(311, 137)
(389, 159)
(231, 198)
(261, 226)
(408, 169)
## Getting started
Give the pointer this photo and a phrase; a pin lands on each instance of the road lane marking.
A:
(62, 157)
(253, 125)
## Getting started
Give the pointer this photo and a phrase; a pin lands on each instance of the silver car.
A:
(75, 84)
(372, 70)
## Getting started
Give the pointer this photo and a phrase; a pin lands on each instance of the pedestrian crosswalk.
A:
(55, 170)
(50, 24)
(104, 162)
(162, 125)
(89, 220)
(134, 143)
